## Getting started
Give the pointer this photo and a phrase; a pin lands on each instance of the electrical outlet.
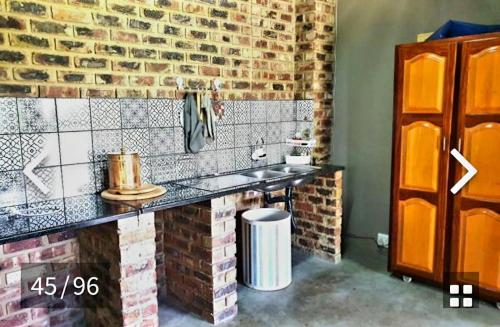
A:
(383, 240)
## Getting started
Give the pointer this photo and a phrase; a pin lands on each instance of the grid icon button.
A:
(467, 302)
(454, 302)
(460, 296)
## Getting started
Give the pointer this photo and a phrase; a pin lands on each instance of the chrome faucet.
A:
(259, 152)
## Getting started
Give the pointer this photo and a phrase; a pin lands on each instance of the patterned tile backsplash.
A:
(76, 134)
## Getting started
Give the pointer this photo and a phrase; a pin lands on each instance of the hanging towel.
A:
(209, 118)
(193, 127)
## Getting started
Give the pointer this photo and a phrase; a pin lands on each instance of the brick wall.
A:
(314, 66)
(72, 48)
(54, 248)
(200, 257)
(249, 200)
(318, 211)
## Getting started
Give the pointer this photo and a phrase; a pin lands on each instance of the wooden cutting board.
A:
(145, 188)
(157, 191)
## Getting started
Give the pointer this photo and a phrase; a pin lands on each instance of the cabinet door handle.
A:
(460, 145)
(444, 143)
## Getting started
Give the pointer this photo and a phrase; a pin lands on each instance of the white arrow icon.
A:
(471, 171)
(28, 171)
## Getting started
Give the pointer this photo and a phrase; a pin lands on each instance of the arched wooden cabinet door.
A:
(475, 244)
(424, 82)
(478, 231)
(420, 154)
(416, 235)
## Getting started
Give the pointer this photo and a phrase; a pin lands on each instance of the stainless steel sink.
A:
(265, 174)
(268, 174)
(294, 174)
(280, 171)
(294, 169)
(219, 183)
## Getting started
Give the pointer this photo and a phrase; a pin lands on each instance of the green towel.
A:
(194, 140)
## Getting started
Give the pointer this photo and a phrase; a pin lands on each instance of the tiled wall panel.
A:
(75, 135)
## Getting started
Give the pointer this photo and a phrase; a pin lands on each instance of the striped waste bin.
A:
(267, 249)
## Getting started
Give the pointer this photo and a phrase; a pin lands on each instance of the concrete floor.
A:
(357, 292)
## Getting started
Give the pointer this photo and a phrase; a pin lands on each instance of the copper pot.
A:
(124, 170)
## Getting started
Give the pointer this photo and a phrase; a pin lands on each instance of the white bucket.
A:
(267, 249)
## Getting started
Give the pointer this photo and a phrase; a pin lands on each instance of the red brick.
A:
(304, 206)
(97, 93)
(22, 245)
(13, 306)
(151, 309)
(129, 318)
(150, 321)
(225, 315)
(111, 79)
(62, 236)
(59, 92)
(37, 313)
(124, 36)
(142, 80)
(15, 261)
(15, 320)
(136, 268)
(220, 241)
(210, 71)
(157, 67)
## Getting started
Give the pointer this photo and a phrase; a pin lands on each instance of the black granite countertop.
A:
(23, 222)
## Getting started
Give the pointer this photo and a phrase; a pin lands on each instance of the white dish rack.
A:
(304, 147)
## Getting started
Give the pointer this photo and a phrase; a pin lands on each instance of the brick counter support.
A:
(200, 248)
(56, 248)
(129, 293)
(161, 277)
(318, 210)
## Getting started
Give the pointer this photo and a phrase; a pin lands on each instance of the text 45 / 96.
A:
(78, 286)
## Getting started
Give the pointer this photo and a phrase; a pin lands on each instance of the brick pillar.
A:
(128, 296)
(314, 66)
(200, 249)
(161, 277)
(55, 248)
(318, 210)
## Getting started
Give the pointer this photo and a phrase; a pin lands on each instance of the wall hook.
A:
(180, 83)
(217, 85)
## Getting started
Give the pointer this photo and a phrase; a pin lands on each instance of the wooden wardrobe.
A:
(447, 95)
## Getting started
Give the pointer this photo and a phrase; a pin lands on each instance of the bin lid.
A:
(265, 215)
